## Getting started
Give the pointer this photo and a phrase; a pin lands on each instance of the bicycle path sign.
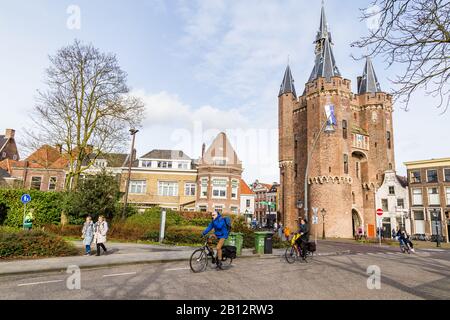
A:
(25, 198)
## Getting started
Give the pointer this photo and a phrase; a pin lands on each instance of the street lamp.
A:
(329, 129)
(124, 213)
(324, 212)
(435, 215)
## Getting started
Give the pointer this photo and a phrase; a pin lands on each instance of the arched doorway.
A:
(356, 222)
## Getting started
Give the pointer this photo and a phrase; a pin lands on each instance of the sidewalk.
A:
(127, 253)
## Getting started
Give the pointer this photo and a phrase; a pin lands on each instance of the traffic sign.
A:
(315, 211)
(25, 198)
(380, 212)
(315, 220)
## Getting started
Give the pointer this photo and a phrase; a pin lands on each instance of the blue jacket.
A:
(220, 228)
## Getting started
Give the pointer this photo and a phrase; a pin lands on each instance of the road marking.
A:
(119, 274)
(42, 282)
(176, 269)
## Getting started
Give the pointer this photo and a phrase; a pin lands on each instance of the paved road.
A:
(424, 275)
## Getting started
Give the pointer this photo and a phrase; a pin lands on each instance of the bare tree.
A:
(86, 108)
(416, 34)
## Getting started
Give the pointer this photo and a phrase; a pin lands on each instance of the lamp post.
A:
(328, 129)
(435, 215)
(124, 213)
(324, 212)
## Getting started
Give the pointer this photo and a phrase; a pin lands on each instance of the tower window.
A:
(344, 129)
(390, 166)
(329, 169)
(388, 136)
(345, 163)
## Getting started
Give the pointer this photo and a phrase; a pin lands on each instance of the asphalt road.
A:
(424, 275)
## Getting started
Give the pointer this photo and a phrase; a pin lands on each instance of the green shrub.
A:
(45, 206)
(35, 243)
(64, 231)
(201, 222)
(178, 235)
(151, 218)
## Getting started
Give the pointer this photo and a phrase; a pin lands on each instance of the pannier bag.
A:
(229, 252)
(311, 246)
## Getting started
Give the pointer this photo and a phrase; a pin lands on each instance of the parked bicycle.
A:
(204, 256)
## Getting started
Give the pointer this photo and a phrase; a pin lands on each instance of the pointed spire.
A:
(325, 64)
(287, 86)
(368, 83)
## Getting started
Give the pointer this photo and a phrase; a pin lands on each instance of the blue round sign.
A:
(25, 198)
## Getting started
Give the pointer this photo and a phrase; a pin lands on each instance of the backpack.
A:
(228, 223)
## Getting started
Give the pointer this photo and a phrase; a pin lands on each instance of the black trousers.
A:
(98, 248)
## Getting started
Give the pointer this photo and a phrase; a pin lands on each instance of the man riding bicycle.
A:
(403, 238)
(219, 225)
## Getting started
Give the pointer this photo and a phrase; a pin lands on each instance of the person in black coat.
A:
(304, 237)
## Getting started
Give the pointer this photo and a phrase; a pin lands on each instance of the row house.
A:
(262, 203)
(429, 193)
(393, 198)
(247, 201)
(164, 178)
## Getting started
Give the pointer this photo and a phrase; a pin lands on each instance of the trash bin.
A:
(239, 243)
(268, 240)
(235, 239)
(259, 241)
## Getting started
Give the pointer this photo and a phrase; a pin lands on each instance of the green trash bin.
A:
(235, 239)
(259, 241)
(239, 243)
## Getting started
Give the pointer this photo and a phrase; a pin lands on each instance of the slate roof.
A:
(287, 86)
(325, 64)
(368, 83)
(3, 141)
(166, 155)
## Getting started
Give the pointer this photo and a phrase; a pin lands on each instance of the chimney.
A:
(9, 133)
(203, 150)
(59, 148)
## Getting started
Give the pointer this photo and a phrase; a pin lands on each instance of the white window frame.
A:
(164, 164)
(412, 178)
(204, 187)
(221, 206)
(50, 183)
(389, 190)
(146, 163)
(415, 195)
(188, 188)
(170, 186)
(447, 195)
(433, 196)
(220, 188)
(234, 189)
(31, 182)
(234, 209)
(248, 203)
(138, 185)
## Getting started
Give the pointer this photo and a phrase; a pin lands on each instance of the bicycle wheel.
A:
(198, 261)
(291, 255)
(226, 262)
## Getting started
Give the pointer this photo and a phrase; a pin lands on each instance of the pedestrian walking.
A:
(88, 234)
(393, 234)
(101, 228)
(280, 231)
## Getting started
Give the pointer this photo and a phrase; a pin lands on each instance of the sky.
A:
(202, 67)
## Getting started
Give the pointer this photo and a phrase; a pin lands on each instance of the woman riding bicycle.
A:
(303, 239)
(219, 225)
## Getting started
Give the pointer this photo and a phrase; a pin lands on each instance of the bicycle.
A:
(294, 252)
(201, 257)
(404, 247)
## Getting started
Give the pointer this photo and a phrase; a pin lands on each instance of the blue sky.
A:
(203, 66)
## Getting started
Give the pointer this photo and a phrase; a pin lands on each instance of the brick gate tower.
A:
(347, 165)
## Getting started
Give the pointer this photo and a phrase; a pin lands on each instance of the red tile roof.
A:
(245, 189)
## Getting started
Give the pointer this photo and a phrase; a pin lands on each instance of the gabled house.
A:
(8, 148)
(219, 177)
(247, 201)
(44, 169)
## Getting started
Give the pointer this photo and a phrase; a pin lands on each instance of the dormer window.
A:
(146, 164)
(165, 164)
